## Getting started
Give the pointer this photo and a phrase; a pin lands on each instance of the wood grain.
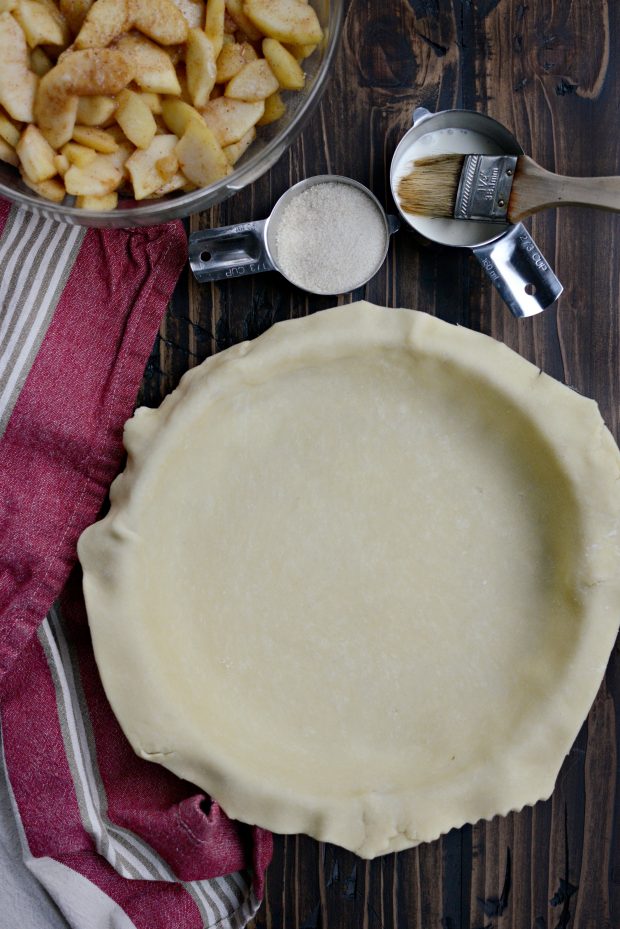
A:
(549, 70)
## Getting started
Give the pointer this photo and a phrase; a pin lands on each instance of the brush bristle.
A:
(431, 186)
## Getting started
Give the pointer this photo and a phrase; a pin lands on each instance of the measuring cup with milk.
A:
(508, 254)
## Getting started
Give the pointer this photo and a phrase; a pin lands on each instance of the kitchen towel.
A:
(115, 841)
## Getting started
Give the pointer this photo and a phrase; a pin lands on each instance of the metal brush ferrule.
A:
(484, 188)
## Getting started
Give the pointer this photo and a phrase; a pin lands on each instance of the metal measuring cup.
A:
(508, 254)
(249, 248)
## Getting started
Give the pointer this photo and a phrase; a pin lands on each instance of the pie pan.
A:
(360, 578)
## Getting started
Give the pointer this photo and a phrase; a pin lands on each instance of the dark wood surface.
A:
(550, 70)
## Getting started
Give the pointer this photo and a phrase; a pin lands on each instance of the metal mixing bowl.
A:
(271, 142)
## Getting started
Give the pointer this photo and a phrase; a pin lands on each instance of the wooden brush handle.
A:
(536, 189)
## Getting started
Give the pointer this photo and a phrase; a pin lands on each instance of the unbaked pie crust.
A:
(360, 578)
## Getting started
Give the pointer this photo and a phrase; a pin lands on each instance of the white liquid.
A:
(447, 142)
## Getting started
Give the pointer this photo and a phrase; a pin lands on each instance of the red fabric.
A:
(190, 832)
(60, 451)
(62, 445)
(43, 789)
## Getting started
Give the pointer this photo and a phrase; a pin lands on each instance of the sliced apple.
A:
(106, 20)
(167, 166)
(95, 111)
(93, 72)
(97, 179)
(98, 204)
(177, 115)
(8, 153)
(36, 155)
(18, 85)
(62, 164)
(8, 130)
(88, 72)
(285, 20)
(135, 118)
(214, 23)
(177, 182)
(40, 63)
(301, 52)
(236, 11)
(193, 11)
(255, 81)
(142, 165)
(79, 155)
(160, 20)
(200, 155)
(237, 149)
(53, 8)
(154, 72)
(120, 157)
(153, 101)
(50, 189)
(74, 11)
(95, 138)
(231, 60)
(200, 66)
(285, 66)
(42, 25)
(229, 120)
(275, 107)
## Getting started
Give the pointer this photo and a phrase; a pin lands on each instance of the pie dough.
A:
(360, 578)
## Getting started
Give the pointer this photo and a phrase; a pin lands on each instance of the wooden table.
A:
(550, 71)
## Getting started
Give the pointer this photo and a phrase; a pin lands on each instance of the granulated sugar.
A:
(330, 239)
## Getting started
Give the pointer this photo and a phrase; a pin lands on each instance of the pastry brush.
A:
(497, 188)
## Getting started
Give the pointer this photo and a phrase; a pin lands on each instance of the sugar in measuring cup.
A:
(327, 235)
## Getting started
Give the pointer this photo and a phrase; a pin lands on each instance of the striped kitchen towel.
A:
(116, 842)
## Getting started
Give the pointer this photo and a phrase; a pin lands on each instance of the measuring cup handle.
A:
(230, 251)
(519, 271)
(420, 114)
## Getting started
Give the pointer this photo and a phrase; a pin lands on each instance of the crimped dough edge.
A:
(517, 774)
